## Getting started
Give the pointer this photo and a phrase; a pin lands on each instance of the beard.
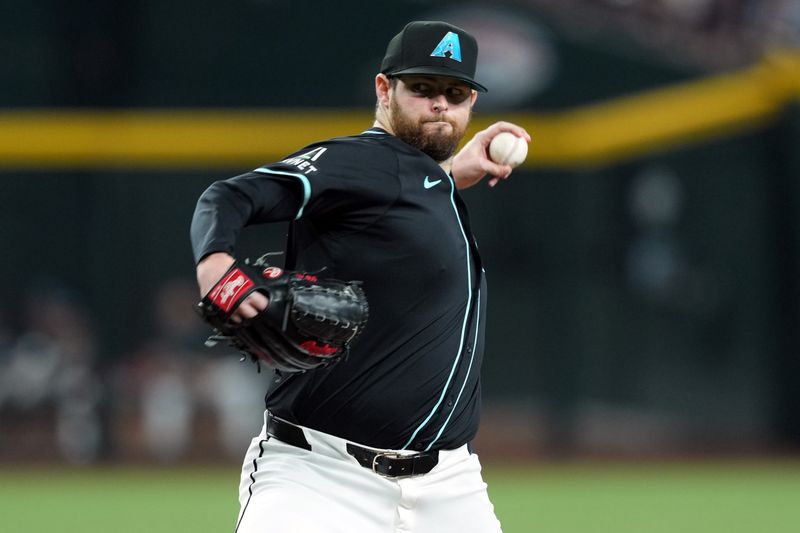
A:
(436, 140)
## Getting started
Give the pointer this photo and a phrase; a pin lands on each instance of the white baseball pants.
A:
(286, 489)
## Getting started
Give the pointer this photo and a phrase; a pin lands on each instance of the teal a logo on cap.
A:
(449, 46)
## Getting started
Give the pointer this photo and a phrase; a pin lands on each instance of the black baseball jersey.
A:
(372, 208)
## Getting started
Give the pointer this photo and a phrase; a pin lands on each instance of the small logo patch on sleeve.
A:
(227, 291)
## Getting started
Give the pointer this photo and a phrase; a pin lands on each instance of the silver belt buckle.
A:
(391, 455)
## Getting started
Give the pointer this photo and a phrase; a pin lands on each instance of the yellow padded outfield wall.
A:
(586, 136)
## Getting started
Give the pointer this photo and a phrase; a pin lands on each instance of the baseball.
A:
(508, 149)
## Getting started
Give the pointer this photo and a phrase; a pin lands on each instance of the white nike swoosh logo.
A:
(428, 184)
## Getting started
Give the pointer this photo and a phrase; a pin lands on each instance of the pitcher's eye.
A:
(421, 88)
(457, 94)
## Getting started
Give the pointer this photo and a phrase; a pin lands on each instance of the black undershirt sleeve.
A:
(228, 206)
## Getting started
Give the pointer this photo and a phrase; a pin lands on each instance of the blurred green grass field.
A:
(710, 497)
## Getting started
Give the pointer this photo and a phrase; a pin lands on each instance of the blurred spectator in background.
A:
(48, 374)
(173, 381)
(779, 23)
(711, 34)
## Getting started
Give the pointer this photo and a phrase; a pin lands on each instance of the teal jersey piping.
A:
(466, 378)
(303, 180)
(463, 326)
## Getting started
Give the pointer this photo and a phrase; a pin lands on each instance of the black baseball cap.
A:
(433, 48)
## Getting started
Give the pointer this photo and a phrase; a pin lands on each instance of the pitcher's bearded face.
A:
(431, 114)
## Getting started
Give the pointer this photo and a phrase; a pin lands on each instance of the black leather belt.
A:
(393, 464)
(385, 463)
(286, 432)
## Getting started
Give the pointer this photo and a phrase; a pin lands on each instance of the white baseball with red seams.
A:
(508, 149)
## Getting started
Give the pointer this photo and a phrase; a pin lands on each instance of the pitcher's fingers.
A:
(245, 311)
(258, 300)
(498, 127)
(494, 169)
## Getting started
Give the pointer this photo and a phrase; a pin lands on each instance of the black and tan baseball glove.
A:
(309, 322)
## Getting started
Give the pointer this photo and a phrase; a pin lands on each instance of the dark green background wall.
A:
(711, 344)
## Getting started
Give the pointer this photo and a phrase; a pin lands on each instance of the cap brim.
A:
(439, 71)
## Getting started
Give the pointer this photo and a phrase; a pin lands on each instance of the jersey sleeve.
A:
(339, 176)
(323, 180)
(229, 205)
